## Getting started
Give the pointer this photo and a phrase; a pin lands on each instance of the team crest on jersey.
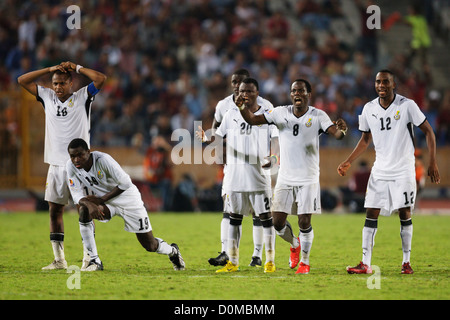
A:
(70, 103)
(309, 123)
(100, 174)
(71, 183)
(397, 115)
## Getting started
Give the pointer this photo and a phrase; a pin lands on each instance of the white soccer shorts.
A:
(56, 188)
(243, 202)
(297, 200)
(135, 218)
(390, 195)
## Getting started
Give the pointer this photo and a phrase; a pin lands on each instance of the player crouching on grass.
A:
(102, 190)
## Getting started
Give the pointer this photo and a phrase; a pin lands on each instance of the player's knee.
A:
(83, 213)
(278, 225)
(235, 220)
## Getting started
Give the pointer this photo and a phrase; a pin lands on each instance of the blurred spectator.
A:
(159, 56)
(186, 195)
(354, 193)
(157, 170)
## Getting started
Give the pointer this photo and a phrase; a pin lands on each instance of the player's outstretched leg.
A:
(152, 244)
(284, 230)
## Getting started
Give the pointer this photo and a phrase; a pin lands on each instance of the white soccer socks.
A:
(406, 233)
(287, 235)
(306, 240)
(88, 236)
(368, 239)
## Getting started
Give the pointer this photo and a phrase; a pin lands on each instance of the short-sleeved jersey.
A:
(247, 146)
(228, 103)
(299, 144)
(392, 134)
(104, 175)
(64, 121)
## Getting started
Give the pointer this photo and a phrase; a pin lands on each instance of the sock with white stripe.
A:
(368, 240)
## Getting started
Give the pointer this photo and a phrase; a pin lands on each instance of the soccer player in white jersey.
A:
(388, 121)
(246, 185)
(102, 190)
(297, 190)
(221, 109)
(67, 116)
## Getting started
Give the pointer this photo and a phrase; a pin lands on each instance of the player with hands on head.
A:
(102, 190)
(297, 190)
(388, 121)
(67, 116)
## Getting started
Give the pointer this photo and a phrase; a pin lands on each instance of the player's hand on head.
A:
(69, 66)
(57, 67)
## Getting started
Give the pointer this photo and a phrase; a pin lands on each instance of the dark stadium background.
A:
(169, 62)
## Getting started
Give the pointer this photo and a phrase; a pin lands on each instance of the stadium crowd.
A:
(168, 62)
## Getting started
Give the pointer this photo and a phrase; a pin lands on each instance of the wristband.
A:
(344, 132)
(241, 107)
(78, 68)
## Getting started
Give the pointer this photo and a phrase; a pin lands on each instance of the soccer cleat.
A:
(93, 266)
(220, 260)
(256, 262)
(406, 268)
(229, 267)
(361, 268)
(294, 257)
(269, 267)
(303, 268)
(177, 259)
(56, 264)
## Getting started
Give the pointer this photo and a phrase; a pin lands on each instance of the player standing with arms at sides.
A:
(297, 190)
(67, 116)
(247, 185)
(388, 120)
(102, 190)
(221, 109)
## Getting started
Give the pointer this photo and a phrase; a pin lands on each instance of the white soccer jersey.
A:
(226, 104)
(392, 134)
(104, 175)
(299, 144)
(247, 146)
(64, 121)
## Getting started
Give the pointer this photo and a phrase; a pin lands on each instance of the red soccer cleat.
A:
(361, 268)
(406, 268)
(302, 268)
(294, 257)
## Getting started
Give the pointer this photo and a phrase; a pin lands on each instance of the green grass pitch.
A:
(132, 273)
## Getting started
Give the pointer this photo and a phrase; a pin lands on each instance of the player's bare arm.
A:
(433, 171)
(97, 78)
(360, 148)
(27, 80)
(116, 191)
(249, 116)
